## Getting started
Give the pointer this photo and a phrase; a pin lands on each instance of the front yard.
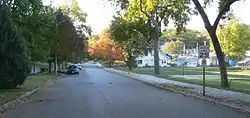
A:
(31, 83)
(239, 85)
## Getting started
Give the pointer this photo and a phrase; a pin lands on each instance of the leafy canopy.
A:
(160, 10)
(104, 48)
(234, 38)
(78, 16)
(129, 37)
(173, 47)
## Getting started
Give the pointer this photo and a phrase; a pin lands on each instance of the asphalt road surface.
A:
(96, 93)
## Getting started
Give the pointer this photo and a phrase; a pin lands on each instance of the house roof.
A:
(164, 54)
(161, 52)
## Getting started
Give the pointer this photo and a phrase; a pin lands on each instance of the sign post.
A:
(204, 76)
(203, 54)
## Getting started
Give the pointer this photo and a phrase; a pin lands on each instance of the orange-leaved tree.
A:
(104, 48)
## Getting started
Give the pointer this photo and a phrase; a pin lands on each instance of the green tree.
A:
(234, 39)
(83, 30)
(128, 36)
(26, 15)
(78, 16)
(189, 37)
(156, 12)
(174, 47)
(224, 11)
(70, 41)
(36, 24)
(14, 62)
(66, 39)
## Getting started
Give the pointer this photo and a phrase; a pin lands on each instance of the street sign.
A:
(204, 62)
(203, 51)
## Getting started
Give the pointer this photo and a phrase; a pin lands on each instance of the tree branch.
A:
(150, 16)
(144, 12)
(217, 21)
(156, 7)
(203, 14)
(221, 13)
(154, 14)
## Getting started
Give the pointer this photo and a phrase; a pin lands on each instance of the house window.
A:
(139, 61)
(163, 61)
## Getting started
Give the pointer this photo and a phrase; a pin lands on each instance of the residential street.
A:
(96, 93)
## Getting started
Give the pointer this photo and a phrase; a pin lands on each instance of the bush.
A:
(14, 63)
(120, 64)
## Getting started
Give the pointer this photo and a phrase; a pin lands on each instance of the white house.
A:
(148, 60)
(189, 61)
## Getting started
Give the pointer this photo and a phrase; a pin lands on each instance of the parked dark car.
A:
(79, 67)
(73, 69)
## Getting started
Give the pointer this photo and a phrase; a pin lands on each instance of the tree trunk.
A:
(156, 35)
(65, 64)
(49, 66)
(109, 63)
(58, 66)
(34, 68)
(221, 59)
(55, 65)
(212, 32)
(130, 62)
(156, 57)
(130, 68)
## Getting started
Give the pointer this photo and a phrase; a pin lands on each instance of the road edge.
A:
(175, 89)
(25, 97)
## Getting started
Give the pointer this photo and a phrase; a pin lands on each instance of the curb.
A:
(205, 98)
(20, 100)
(23, 98)
(190, 93)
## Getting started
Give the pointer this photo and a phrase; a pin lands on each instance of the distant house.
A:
(188, 61)
(245, 62)
(148, 60)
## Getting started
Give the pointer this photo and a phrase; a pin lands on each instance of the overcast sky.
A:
(100, 13)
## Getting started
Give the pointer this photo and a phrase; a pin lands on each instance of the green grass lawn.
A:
(191, 71)
(236, 85)
(31, 82)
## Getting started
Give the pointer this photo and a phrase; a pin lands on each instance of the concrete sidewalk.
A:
(207, 77)
(232, 99)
